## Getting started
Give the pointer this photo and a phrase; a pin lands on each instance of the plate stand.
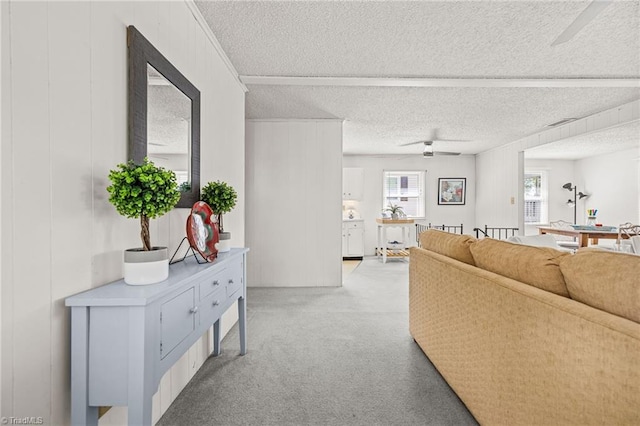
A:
(195, 254)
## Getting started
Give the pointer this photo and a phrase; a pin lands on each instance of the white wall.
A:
(436, 167)
(65, 129)
(5, 103)
(558, 172)
(499, 174)
(294, 184)
(612, 182)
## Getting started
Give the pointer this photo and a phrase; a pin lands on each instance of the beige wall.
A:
(65, 129)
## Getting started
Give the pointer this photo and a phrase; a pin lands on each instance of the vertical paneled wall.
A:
(497, 187)
(64, 126)
(294, 183)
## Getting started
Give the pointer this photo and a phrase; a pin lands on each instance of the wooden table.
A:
(583, 236)
(383, 224)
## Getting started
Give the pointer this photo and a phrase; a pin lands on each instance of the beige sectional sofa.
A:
(529, 335)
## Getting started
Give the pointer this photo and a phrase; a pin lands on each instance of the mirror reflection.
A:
(168, 127)
(164, 116)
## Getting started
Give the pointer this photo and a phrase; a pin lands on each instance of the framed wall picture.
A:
(452, 191)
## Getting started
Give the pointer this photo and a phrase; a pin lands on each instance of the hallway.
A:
(324, 356)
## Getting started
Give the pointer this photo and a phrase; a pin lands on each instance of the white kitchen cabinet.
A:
(352, 183)
(353, 238)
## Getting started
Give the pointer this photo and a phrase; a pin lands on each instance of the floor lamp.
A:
(576, 196)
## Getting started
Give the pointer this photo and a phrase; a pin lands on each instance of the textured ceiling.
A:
(598, 143)
(478, 39)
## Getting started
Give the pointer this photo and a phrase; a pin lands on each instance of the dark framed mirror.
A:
(164, 116)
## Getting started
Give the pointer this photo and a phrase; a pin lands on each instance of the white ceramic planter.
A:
(146, 267)
(224, 244)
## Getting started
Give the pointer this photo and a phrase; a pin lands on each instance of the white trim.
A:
(438, 82)
(214, 41)
(282, 120)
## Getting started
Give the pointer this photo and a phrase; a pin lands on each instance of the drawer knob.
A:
(194, 310)
(216, 302)
(216, 282)
(230, 281)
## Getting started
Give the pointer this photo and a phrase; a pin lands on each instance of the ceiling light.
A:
(428, 150)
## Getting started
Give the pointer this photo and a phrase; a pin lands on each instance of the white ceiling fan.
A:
(586, 16)
(428, 145)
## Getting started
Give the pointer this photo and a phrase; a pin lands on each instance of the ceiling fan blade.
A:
(452, 140)
(445, 153)
(587, 15)
(412, 143)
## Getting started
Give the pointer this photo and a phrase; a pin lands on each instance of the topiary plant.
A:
(143, 190)
(221, 197)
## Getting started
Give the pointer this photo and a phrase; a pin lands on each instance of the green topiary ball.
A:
(220, 196)
(145, 189)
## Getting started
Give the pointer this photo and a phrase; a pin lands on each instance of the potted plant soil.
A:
(222, 198)
(144, 191)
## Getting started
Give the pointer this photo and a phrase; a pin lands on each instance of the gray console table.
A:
(124, 338)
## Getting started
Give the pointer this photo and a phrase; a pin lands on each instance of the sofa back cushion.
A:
(605, 280)
(455, 246)
(536, 266)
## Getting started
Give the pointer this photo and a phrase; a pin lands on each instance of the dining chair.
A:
(563, 240)
(632, 233)
(635, 244)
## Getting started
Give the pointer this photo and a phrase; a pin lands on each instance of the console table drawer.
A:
(215, 282)
(234, 282)
(214, 305)
(177, 320)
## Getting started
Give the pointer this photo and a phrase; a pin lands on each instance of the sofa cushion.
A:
(455, 246)
(605, 280)
(536, 266)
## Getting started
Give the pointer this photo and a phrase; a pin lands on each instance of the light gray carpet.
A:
(323, 356)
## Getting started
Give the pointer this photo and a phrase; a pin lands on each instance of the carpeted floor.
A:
(323, 356)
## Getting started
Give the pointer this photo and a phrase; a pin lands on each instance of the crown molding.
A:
(438, 82)
(214, 41)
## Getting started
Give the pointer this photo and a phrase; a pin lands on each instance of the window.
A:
(535, 197)
(405, 189)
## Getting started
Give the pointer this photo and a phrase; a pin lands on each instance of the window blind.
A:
(404, 188)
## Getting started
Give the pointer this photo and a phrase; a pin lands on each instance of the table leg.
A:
(216, 338)
(242, 318)
(594, 241)
(81, 412)
(141, 386)
(139, 409)
(384, 244)
(584, 240)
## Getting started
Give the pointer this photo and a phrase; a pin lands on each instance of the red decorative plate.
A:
(202, 230)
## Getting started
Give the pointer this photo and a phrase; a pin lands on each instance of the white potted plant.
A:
(395, 210)
(144, 191)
